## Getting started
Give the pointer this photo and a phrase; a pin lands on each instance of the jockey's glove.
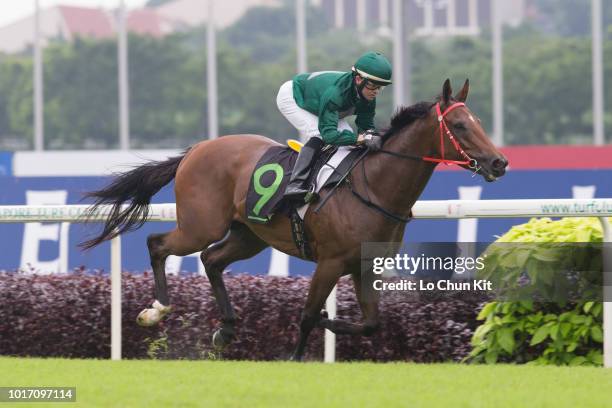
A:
(371, 139)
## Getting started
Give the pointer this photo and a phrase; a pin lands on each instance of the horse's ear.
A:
(446, 92)
(463, 93)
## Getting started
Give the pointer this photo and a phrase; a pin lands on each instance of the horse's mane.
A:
(406, 115)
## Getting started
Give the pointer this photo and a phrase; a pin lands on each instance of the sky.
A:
(13, 10)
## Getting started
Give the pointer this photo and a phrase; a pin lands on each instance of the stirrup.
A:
(295, 196)
(294, 190)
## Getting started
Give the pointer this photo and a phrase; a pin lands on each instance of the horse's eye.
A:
(459, 126)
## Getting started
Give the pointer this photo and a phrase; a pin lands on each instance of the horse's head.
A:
(460, 138)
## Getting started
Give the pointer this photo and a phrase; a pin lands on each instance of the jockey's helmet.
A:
(374, 67)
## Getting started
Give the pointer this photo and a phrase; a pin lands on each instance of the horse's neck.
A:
(397, 183)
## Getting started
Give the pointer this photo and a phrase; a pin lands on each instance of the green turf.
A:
(249, 384)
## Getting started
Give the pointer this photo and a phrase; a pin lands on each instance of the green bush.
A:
(556, 331)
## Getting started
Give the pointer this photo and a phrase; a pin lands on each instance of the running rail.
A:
(448, 209)
(441, 209)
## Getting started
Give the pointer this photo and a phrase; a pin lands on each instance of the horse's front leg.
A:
(321, 285)
(368, 300)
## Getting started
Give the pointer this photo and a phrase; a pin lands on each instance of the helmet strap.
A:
(361, 86)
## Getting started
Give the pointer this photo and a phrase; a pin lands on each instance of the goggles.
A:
(372, 86)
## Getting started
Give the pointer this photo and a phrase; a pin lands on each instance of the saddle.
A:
(272, 173)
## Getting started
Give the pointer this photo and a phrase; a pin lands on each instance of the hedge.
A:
(69, 316)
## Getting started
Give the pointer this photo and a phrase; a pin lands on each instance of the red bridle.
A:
(471, 163)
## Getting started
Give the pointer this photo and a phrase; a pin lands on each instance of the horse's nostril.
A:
(499, 164)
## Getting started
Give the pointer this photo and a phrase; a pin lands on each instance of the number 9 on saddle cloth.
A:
(273, 171)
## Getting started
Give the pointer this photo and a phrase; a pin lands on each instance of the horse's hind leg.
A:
(175, 242)
(239, 244)
(158, 254)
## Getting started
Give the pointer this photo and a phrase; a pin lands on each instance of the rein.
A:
(368, 203)
(471, 163)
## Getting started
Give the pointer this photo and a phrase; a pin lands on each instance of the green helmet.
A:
(374, 67)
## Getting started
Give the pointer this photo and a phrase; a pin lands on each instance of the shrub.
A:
(69, 316)
(557, 331)
(524, 332)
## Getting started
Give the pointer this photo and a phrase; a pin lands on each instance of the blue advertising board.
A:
(37, 245)
(6, 163)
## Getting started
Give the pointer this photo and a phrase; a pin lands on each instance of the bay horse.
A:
(211, 182)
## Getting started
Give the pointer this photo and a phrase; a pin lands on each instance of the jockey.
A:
(318, 103)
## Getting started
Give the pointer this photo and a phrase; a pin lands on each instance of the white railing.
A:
(450, 209)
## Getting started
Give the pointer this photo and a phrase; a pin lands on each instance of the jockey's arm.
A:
(365, 117)
(328, 127)
(330, 134)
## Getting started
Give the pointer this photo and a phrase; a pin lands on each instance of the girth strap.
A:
(299, 235)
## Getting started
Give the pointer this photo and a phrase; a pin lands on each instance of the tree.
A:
(568, 17)
(16, 113)
(548, 91)
(547, 83)
(267, 34)
(81, 94)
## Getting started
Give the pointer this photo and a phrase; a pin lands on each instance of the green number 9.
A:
(266, 193)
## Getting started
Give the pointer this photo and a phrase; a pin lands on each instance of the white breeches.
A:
(305, 122)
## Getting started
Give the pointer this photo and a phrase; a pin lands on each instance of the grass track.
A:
(150, 384)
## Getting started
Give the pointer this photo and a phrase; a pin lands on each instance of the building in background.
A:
(190, 13)
(422, 17)
(68, 22)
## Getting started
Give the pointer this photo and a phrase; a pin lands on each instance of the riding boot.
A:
(297, 187)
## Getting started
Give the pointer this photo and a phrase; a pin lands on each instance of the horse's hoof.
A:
(297, 359)
(150, 317)
(217, 340)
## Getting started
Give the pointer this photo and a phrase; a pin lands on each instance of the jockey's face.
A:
(369, 91)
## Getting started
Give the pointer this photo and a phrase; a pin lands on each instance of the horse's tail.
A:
(135, 187)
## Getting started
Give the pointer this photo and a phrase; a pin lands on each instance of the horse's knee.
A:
(155, 244)
(211, 264)
(205, 258)
(370, 328)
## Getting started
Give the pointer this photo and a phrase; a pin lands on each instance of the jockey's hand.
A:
(371, 139)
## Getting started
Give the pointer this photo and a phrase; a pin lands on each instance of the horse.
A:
(211, 182)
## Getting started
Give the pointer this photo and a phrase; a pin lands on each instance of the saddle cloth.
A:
(273, 171)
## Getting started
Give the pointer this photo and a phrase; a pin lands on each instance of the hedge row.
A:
(69, 316)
